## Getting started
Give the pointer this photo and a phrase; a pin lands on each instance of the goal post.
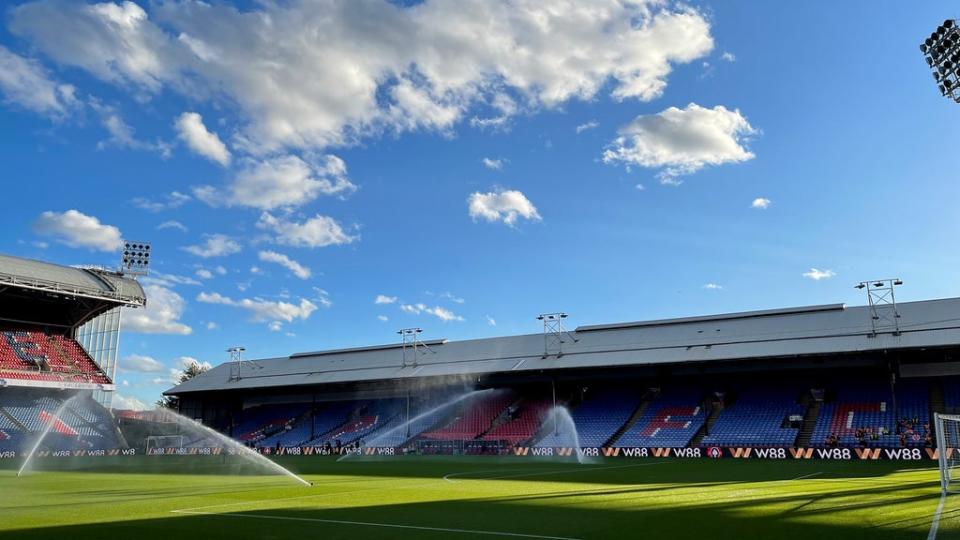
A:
(164, 441)
(948, 442)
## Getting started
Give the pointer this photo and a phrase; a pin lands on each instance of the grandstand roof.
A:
(70, 281)
(781, 333)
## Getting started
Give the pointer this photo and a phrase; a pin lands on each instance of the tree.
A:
(191, 371)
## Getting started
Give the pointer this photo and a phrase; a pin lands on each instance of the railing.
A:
(63, 288)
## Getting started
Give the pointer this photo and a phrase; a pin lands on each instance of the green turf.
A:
(702, 499)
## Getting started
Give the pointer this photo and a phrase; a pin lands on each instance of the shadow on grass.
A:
(517, 516)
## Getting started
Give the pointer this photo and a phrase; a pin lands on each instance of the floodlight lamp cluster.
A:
(136, 257)
(551, 316)
(942, 52)
(878, 283)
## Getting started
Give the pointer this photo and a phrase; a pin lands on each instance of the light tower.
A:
(412, 346)
(236, 362)
(884, 316)
(554, 334)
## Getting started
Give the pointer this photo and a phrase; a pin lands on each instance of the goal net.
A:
(164, 441)
(948, 444)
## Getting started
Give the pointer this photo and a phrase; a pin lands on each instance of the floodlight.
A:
(136, 258)
(898, 282)
(859, 286)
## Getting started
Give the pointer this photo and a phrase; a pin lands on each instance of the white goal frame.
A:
(157, 438)
(948, 437)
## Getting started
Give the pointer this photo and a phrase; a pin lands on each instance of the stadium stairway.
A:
(13, 420)
(810, 417)
(637, 414)
(715, 409)
(502, 418)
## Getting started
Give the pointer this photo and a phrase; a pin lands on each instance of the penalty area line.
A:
(807, 476)
(936, 518)
(372, 524)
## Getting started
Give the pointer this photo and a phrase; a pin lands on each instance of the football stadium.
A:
(479, 269)
(785, 423)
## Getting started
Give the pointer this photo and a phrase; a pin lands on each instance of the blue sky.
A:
(473, 163)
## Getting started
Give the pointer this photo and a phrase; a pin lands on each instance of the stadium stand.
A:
(84, 424)
(861, 414)
(598, 417)
(477, 417)
(671, 420)
(522, 423)
(33, 353)
(758, 416)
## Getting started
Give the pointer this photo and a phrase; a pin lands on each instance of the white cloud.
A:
(161, 316)
(441, 313)
(212, 325)
(491, 321)
(593, 124)
(183, 362)
(282, 181)
(323, 297)
(191, 130)
(168, 280)
(25, 83)
(682, 141)
(76, 229)
(384, 299)
(493, 164)
(639, 187)
(172, 224)
(214, 245)
(382, 318)
(263, 310)
(168, 202)
(453, 298)
(817, 274)
(728, 56)
(318, 231)
(296, 268)
(296, 75)
(137, 363)
(203, 273)
(502, 205)
(760, 203)
(712, 286)
(128, 403)
(122, 135)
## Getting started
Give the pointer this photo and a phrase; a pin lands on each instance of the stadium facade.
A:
(826, 375)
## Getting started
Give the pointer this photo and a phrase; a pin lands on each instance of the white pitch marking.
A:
(385, 525)
(936, 518)
(806, 476)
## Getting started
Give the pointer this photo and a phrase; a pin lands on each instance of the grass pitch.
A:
(446, 498)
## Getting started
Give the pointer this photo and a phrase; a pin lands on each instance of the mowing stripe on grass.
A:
(545, 473)
(936, 518)
(299, 497)
(384, 525)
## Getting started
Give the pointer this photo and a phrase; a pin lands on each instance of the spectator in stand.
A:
(903, 439)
